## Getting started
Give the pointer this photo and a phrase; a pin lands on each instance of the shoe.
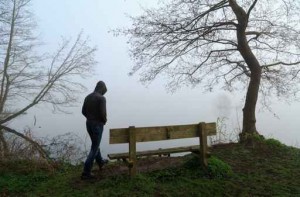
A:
(103, 162)
(85, 176)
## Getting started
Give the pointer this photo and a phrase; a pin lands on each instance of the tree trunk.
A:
(3, 146)
(249, 120)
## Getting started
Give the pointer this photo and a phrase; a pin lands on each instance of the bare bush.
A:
(224, 135)
(21, 149)
(65, 148)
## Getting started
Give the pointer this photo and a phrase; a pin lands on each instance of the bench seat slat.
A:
(155, 152)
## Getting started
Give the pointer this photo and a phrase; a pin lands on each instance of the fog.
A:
(129, 103)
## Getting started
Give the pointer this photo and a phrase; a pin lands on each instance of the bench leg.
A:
(203, 143)
(132, 151)
(132, 168)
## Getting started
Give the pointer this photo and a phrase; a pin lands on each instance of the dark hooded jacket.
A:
(94, 106)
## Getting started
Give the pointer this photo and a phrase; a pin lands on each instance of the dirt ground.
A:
(143, 165)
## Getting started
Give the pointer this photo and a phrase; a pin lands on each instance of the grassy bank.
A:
(267, 169)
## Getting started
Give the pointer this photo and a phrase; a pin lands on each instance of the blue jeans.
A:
(95, 130)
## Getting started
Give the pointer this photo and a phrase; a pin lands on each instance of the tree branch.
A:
(251, 8)
(280, 63)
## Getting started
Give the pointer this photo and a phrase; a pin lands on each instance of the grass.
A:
(268, 169)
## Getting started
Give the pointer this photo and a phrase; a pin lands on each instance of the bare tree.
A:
(27, 77)
(242, 44)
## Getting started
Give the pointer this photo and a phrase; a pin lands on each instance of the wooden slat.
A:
(145, 134)
(156, 152)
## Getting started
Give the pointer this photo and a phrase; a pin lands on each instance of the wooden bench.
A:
(132, 135)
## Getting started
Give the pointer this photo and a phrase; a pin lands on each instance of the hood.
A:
(101, 88)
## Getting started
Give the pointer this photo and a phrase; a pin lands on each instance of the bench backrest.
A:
(146, 134)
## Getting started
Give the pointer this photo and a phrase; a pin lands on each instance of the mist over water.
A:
(155, 107)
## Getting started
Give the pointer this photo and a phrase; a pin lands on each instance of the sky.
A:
(129, 103)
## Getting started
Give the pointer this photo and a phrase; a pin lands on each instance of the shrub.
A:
(274, 143)
(218, 169)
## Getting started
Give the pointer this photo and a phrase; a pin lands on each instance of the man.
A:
(94, 109)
